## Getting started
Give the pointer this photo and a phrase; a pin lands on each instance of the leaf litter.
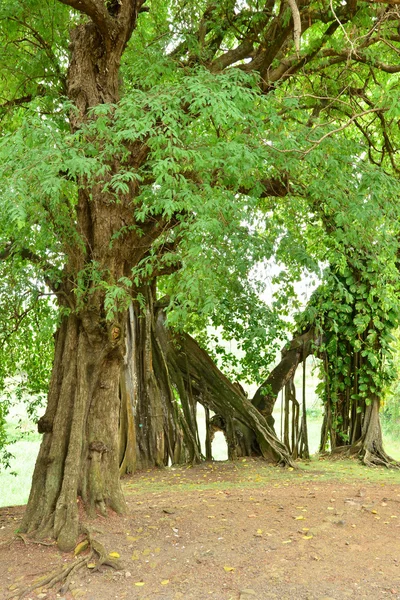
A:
(349, 552)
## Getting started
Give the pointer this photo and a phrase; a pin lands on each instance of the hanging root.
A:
(61, 579)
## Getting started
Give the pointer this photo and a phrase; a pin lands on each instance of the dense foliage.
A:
(255, 154)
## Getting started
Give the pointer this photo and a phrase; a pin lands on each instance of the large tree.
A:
(173, 117)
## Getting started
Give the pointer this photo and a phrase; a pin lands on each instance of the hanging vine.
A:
(356, 313)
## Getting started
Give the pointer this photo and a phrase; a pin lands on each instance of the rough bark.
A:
(79, 455)
(299, 349)
(79, 452)
(153, 427)
(161, 388)
(195, 374)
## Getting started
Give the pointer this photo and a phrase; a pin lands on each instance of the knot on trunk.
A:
(98, 447)
(45, 425)
(115, 334)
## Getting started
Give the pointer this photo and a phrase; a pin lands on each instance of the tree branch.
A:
(44, 44)
(296, 24)
(232, 56)
(292, 65)
(357, 57)
(97, 11)
(27, 254)
(344, 126)
(271, 187)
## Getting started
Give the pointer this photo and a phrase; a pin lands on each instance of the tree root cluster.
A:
(379, 458)
(372, 457)
(61, 579)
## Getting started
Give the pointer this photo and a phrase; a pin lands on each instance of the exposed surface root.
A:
(379, 458)
(28, 540)
(375, 457)
(61, 578)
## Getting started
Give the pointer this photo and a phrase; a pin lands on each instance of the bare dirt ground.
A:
(243, 531)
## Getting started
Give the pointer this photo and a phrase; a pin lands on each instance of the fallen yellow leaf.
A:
(228, 569)
(307, 537)
(91, 565)
(139, 583)
(299, 518)
(165, 582)
(81, 547)
(287, 542)
(114, 554)
(259, 531)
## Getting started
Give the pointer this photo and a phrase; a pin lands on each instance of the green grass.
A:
(15, 482)
(253, 474)
(14, 489)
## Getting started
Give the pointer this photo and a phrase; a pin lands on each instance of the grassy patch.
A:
(251, 474)
(16, 482)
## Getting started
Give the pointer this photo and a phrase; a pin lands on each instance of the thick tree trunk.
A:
(79, 455)
(369, 445)
(79, 451)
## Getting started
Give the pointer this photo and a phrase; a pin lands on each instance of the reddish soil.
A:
(231, 532)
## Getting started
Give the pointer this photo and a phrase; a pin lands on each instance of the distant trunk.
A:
(191, 366)
(161, 388)
(351, 424)
(302, 346)
(154, 427)
(294, 433)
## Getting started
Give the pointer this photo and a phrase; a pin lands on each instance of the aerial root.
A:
(62, 578)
